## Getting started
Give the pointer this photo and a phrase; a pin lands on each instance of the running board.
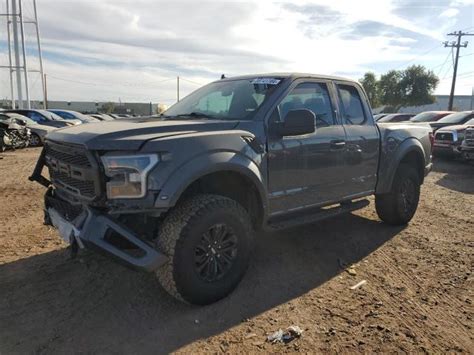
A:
(316, 216)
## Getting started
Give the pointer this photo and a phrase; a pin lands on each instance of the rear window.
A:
(351, 105)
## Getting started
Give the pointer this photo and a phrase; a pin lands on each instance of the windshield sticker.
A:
(266, 81)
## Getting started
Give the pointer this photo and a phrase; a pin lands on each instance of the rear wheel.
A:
(35, 140)
(208, 241)
(399, 205)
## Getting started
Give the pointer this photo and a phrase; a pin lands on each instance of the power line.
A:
(190, 81)
(458, 45)
(418, 56)
(109, 84)
(441, 65)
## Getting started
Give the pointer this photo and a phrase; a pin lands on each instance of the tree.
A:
(370, 84)
(160, 108)
(418, 85)
(390, 91)
(413, 86)
(108, 107)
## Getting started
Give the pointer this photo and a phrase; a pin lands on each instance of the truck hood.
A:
(132, 134)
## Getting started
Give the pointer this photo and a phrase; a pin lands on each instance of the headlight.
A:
(128, 174)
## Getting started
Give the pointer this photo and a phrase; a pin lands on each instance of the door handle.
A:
(338, 144)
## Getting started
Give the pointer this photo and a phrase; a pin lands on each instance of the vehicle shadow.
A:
(459, 175)
(49, 303)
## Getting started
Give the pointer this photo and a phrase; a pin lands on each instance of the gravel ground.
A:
(417, 298)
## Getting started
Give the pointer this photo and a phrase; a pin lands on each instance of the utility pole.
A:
(45, 92)
(177, 88)
(455, 44)
(17, 59)
(10, 63)
(16, 48)
(40, 56)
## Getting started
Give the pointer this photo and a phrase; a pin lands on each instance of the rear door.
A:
(306, 170)
(362, 140)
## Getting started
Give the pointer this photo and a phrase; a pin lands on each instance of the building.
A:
(460, 103)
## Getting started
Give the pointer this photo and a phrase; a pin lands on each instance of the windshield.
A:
(226, 100)
(51, 115)
(454, 117)
(427, 116)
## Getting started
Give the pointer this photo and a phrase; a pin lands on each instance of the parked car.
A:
(73, 115)
(235, 156)
(396, 117)
(13, 133)
(457, 118)
(430, 116)
(379, 116)
(101, 116)
(448, 139)
(46, 118)
(467, 146)
(38, 131)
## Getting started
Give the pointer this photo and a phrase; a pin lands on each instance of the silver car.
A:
(38, 132)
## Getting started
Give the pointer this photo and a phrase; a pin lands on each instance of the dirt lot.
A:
(418, 296)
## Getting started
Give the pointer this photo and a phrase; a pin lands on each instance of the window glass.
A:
(227, 99)
(313, 97)
(35, 116)
(65, 115)
(352, 110)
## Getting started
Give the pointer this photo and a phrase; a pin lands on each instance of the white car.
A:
(38, 131)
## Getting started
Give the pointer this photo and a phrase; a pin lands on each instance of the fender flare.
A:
(391, 160)
(205, 164)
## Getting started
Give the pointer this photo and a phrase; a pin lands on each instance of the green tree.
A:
(413, 86)
(390, 91)
(418, 85)
(108, 107)
(370, 84)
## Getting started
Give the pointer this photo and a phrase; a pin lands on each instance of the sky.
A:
(133, 50)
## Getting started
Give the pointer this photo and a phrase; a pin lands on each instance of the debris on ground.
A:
(286, 336)
(351, 271)
(357, 285)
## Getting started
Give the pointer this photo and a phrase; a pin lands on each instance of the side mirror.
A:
(297, 122)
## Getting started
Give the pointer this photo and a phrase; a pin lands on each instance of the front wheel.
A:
(208, 239)
(35, 140)
(399, 205)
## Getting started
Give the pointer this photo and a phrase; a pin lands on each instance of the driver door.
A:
(307, 170)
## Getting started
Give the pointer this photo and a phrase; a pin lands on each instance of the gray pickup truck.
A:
(182, 196)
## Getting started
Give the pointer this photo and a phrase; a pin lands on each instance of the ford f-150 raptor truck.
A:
(181, 196)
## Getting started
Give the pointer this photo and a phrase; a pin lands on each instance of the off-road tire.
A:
(178, 236)
(393, 208)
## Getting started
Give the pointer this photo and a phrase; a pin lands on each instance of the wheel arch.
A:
(224, 173)
(409, 152)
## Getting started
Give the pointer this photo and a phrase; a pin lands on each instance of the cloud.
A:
(452, 12)
(102, 50)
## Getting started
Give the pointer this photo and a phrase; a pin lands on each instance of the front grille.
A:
(444, 137)
(84, 188)
(469, 137)
(73, 170)
(78, 158)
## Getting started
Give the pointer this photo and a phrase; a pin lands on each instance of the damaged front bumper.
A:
(90, 229)
(87, 227)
